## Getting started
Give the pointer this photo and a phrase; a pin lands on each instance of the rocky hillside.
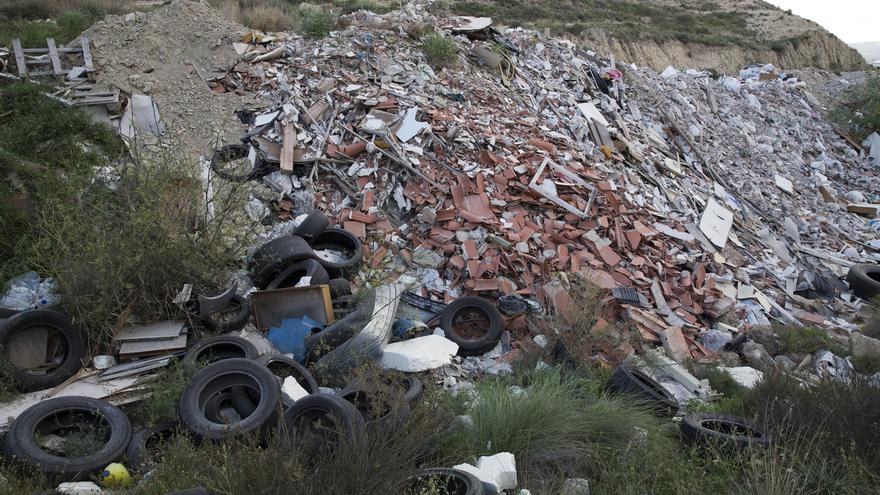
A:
(720, 34)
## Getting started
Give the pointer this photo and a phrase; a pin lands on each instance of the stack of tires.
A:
(328, 255)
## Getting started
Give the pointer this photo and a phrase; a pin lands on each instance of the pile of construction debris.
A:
(713, 199)
(707, 209)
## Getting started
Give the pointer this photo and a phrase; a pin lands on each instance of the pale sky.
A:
(853, 21)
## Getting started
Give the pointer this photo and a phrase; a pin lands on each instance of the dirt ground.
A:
(150, 52)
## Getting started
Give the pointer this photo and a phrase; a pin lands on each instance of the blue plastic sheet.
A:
(289, 337)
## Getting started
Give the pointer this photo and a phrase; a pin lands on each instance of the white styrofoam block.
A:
(746, 376)
(418, 354)
(79, 488)
(292, 389)
(502, 467)
(490, 484)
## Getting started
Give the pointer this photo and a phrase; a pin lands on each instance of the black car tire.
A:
(291, 275)
(632, 381)
(722, 429)
(320, 418)
(239, 311)
(414, 390)
(219, 348)
(234, 152)
(491, 334)
(864, 280)
(282, 366)
(276, 255)
(7, 312)
(57, 322)
(337, 333)
(457, 482)
(137, 452)
(21, 444)
(313, 224)
(219, 377)
(390, 414)
(341, 240)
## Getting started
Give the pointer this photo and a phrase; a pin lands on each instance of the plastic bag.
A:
(28, 291)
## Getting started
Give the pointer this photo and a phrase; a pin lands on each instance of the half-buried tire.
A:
(102, 432)
(634, 382)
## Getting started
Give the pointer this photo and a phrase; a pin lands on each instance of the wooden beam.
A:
(87, 54)
(46, 50)
(19, 57)
(287, 143)
(53, 54)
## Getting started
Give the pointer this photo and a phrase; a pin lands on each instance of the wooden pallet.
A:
(55, 59)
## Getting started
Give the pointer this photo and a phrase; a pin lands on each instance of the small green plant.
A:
(867, 365)
(858, 109)
(439, 50)
(165, 390)
(805, 340)
(316, 22)
(548, 421)
(840, 416)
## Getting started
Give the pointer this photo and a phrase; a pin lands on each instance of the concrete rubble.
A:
(714, 199)
(704, 209)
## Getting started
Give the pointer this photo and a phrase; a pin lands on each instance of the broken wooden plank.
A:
(47, 73)
(46, 50)
(19, 57)
(287, 143)
(53, 54)
(87, 55)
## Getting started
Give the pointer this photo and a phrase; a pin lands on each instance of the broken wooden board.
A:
(287, 144)
(152, 331)
(89, 386)
(152, 347)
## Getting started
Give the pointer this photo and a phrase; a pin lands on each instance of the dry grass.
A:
(229, 9)
(48, 9)
(590, 334)
(267, 18)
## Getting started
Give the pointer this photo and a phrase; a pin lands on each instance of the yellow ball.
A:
(115, 476)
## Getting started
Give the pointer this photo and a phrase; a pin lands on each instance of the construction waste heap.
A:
(705, 210)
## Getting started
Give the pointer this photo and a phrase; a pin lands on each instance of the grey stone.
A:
(729, 359)
(427, 258)
(576, 486)
(783, 362)
(765, 336)
(757, 357)
(862, 345)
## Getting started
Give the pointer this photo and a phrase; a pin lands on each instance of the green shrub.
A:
(46, 151)
(779, 46)
(805, 340)
(34, 21)
(858, 109)
(316, 22)
(379, 461)
(439, 50)
(124, 253)
(867, 365)
(841, 418)
(550, 424)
